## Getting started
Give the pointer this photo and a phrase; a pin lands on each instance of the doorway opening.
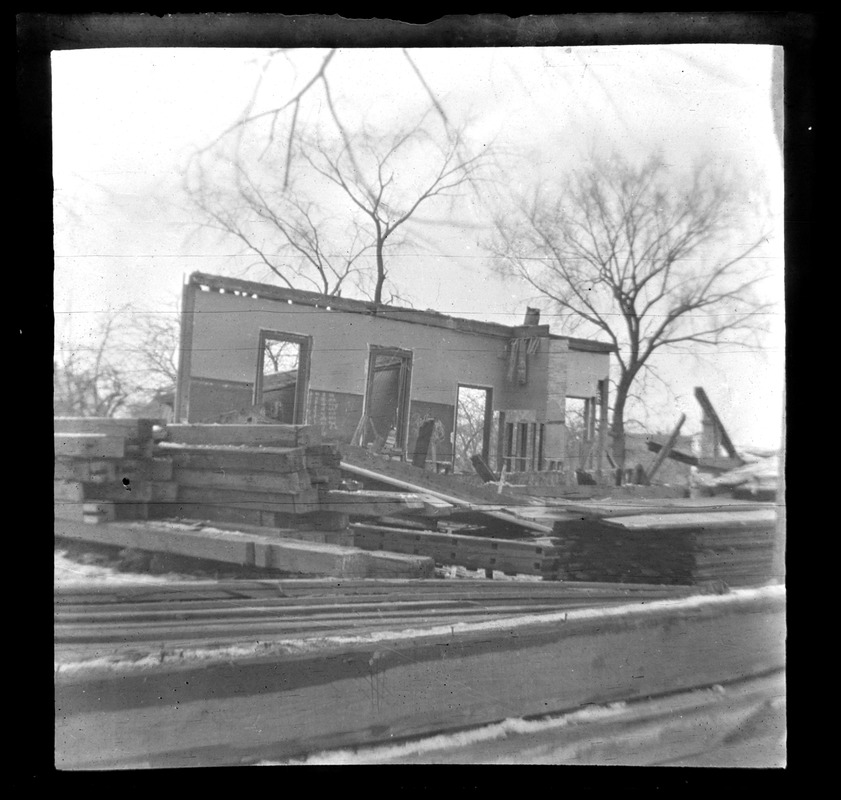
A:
(280, 390)
(473, 426)
(386, 408)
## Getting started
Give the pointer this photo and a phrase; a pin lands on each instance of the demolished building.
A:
(385, 377)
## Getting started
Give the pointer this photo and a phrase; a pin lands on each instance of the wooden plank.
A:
(232, 457)
(133, 428)
(249, 550)
(392, 686)
(471, 552)
(341, 537)
(364, 503)
(285, 483)
(676, 730)
(212, 513)
(88, 445)
(482, 469)
(675, 455)
(762, 518)
(617, 508)
(248, 434)
(298, 503)
(139, 491)
(447, 498)
(720, 464)
(667, 448)
(87, 512)
(710, 413)
(90, 471)
(151, 469)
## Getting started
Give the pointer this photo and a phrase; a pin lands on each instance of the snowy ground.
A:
(77, 563)
(71, 565)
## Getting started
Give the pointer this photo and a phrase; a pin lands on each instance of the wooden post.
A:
(667, 448)
(602, 434)
(501, 440)
(181, 410)
(592, 434)
(717, 434)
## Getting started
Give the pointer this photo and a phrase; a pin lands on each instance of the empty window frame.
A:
(283, 365)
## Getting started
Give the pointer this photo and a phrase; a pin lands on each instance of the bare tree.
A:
(131, 359)
(315, 193)
(88, 382)
(470, 429)
(150, 340)
(388, 177)
(650, 259)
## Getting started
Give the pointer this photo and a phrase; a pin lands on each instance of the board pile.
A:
(274, 476)
(530, 557)
(107, 469)
(733, 546)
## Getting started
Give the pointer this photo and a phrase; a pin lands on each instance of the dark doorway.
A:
(386, 408)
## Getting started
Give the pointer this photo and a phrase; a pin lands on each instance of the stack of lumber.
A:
(267, 475)
(734, 546)
(107, 469)
(531, 557)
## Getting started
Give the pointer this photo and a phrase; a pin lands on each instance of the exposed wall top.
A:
(432, 318)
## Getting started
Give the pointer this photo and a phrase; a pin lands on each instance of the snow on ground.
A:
(76, 567)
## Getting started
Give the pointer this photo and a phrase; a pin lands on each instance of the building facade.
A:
(388, 378)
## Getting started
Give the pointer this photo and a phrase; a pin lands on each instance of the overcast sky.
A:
(125, 121)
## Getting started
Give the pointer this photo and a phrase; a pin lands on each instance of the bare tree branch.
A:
(619, 247)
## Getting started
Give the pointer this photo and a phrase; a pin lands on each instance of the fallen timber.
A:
(287, 696)
(731, 724)
(491, 511)
(238, 672)
(247, 549)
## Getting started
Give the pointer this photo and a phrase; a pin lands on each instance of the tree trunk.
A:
(617, 427)
(378, 291)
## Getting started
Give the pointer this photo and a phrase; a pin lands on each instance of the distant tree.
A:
(89, 383)
(647, 257)
(132, 358)
(470, 422)
(317, 198)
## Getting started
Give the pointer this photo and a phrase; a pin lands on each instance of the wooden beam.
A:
(130, 428)
(88, 445)
(473, 552)
(708, 520)
(738, 724)
(456, 501)
(710, 413)
(283, 483)
(264, 435)
(244, 549)
(280, 698)
(667, 448)
(675, 455)
(295, 503)
(603, 425)
(232, 457)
